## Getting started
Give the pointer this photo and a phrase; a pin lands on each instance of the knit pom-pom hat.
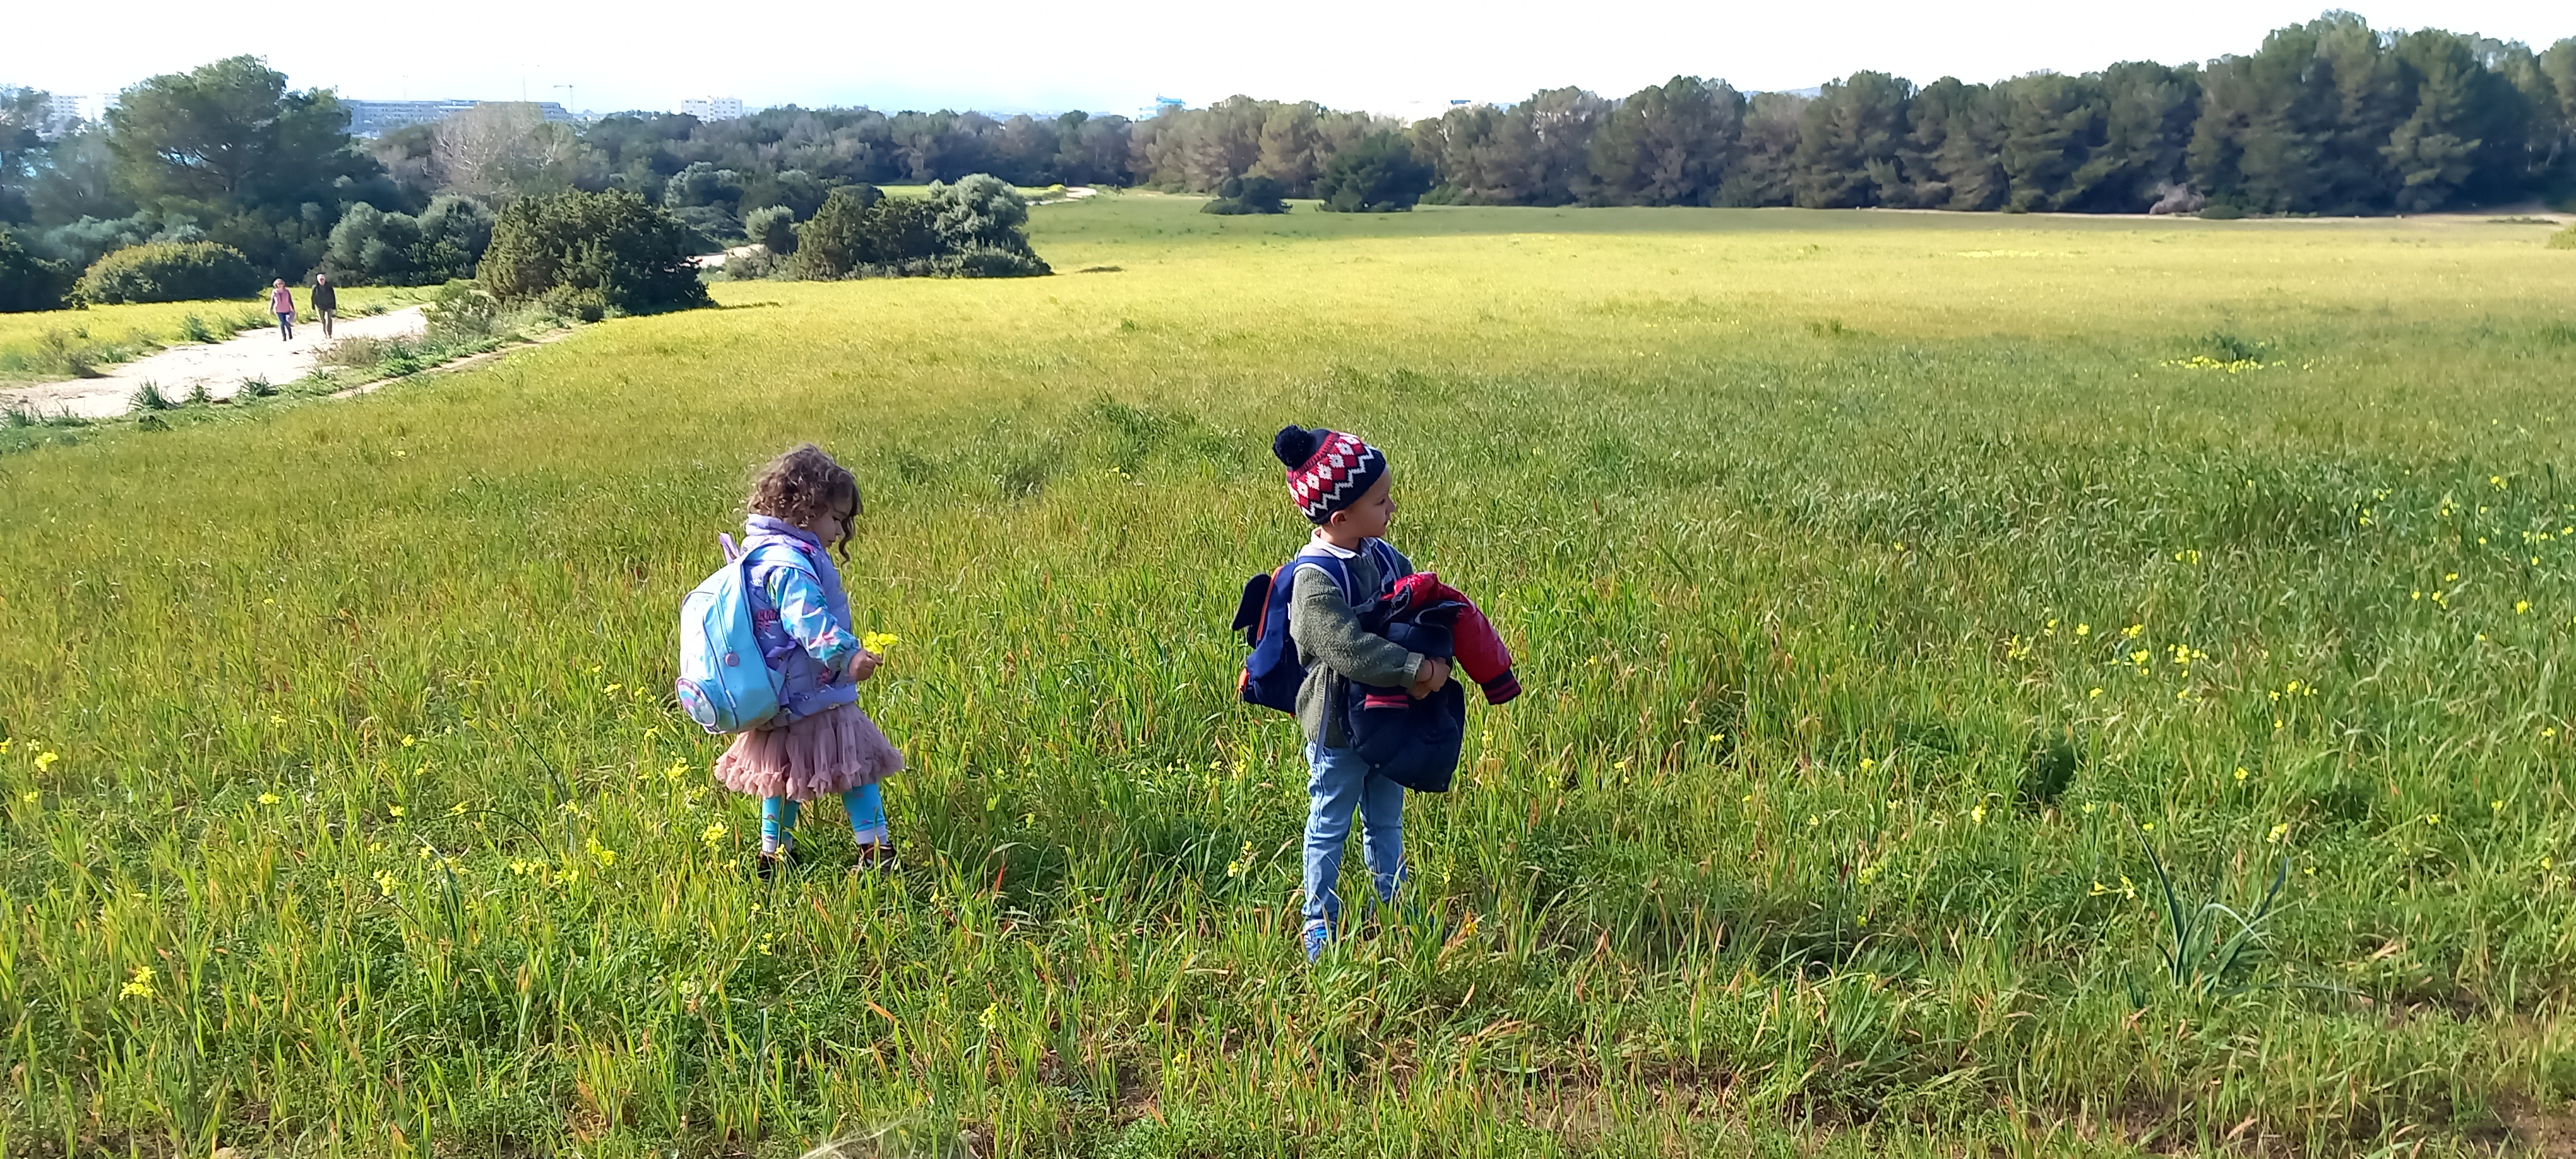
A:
(1327, 470)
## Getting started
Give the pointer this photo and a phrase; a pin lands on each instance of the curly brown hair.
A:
(805, 483)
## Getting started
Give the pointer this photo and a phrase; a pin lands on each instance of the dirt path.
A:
(221, 367)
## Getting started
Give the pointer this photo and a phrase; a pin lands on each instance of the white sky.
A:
(1047, 55)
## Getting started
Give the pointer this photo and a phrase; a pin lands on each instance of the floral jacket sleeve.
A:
(807, 616)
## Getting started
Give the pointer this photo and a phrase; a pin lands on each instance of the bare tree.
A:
(499, 150)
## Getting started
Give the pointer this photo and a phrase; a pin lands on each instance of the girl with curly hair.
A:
(820, 743)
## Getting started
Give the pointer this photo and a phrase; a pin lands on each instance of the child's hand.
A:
(864, 665)
(1428, 679)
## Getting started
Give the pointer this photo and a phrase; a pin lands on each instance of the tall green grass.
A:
(1881, 582)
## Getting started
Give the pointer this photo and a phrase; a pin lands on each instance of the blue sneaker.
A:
(1318, 936)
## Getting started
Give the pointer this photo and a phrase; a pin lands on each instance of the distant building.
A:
(65, 110)
(713, 108)
(377, 118)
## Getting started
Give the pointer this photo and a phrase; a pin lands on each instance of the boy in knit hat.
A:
(1342, 486)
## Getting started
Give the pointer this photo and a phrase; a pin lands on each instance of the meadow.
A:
(1923, 618)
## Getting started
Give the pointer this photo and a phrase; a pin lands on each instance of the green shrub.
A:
(754, 264)
(71, 353)
(635, 258)
(774, 227)
(1241, 195)
(1379, 174)
(461, 313)
(974, 228)
(2564, 239)
(574, 302)
(167, 271)
(846, 232)
(28, 282)
(396, 249)
(356, 353)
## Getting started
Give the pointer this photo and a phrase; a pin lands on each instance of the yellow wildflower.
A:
(2083, 629)
(714, 835)
(879, 642)
(396, 810)
(2241, 774)
(409, 740)
(45, 760)
(138, 984)
(268, 798)
(2278, 832)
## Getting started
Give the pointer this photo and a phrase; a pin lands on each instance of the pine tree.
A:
(1669, 144)
(1848, 139)
(2052, 126)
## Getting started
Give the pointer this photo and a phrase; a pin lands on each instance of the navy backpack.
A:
(1273, 672)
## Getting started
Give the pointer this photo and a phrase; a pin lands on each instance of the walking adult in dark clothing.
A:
(326, 302)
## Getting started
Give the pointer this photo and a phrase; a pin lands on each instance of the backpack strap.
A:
(1390, 566)
(1329, 564)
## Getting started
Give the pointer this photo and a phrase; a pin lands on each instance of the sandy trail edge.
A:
(221, 367)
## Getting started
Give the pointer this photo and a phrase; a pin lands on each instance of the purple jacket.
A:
(801, 616)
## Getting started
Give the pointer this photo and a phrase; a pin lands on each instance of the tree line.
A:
(2327, 117)
(2330, 117)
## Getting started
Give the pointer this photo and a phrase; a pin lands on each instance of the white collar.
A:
(1328, 547)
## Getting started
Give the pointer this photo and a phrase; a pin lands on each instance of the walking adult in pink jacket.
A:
(281, 302)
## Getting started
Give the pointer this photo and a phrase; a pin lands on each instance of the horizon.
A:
(1048, 68)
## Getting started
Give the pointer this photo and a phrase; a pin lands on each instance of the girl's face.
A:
(832, 525)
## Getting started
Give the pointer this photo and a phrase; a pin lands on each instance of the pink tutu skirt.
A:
(823, 755)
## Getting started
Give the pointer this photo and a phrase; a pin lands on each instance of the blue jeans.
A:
(286, 325)
(1342, 784)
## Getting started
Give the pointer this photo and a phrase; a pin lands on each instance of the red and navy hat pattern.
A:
(1327, 470)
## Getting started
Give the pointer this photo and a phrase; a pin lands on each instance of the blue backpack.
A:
(725, 685)
(1273, 672)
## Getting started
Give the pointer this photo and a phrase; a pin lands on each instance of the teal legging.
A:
(865, 805)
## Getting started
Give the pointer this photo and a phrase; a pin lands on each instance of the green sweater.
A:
(1337, 650)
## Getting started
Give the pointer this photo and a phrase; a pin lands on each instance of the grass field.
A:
(107, 334)
(1887, 585)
